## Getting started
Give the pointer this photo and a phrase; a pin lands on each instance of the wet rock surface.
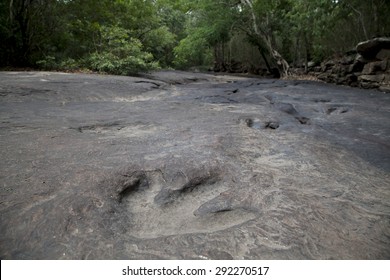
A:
(177, 165)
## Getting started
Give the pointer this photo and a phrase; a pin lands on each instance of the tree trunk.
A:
(306, 53)
(265, 60)
(223, 56)
(218, 58)
(375, 16)
(11, 12)
(281, 63)
(361, 19)
(19, 19)
(297, 53)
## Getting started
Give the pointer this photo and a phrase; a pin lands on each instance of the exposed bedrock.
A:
(178, 165)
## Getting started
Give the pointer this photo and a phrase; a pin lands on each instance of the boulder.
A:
(347, 60)
(329, 77)
(369, 49)
(327, 65)
(373, 81)
(351, 80)
(367, 67)
(383, 54)
(361, 59)
(374, 67)
(372, 78)
(357, 66)
(387, 79)
(385, 88)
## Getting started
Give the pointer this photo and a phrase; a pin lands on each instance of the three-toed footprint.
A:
(158, 204)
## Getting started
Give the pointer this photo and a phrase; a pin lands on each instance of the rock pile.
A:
(367, 67)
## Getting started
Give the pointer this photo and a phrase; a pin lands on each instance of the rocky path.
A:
(179, 165)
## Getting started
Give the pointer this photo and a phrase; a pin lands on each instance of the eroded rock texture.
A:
(368, 67)
(191, 166)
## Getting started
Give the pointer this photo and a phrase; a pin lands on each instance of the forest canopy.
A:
(128, 36)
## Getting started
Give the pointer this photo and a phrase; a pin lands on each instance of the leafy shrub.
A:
(117, 53)
(107, 62)
(69, 64)
(48, 63)
(52, 63)
(191, 51)
(160, 42)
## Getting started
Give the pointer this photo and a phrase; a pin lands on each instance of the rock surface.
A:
(368, 67)
(369, 49)
(191, 166)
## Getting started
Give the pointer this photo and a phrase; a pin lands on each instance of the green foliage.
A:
(192, 51)
(117, 53)
(48, 63)
(126, 36)
(160, 43)
(119, 37)
(209, 23)
(107, 62)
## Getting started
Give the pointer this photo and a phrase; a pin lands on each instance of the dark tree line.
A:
(127, 36)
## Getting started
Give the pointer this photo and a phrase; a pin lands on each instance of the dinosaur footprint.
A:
(156, 204)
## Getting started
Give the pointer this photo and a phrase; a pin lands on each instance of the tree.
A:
(137, 35)
(208, 28)
(22, 29)
(215, 22)
(262, 37)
